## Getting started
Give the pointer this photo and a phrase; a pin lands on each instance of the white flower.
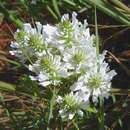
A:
(43, 79)
(79, 58)
(60, 52)
(29, 42)
(33, 30)
(97, 82)
(72, 104)
(80, 30)
(49, 70)
(49, 34)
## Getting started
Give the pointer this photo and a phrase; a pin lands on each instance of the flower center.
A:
(71, 102)
(47, 63)
(78, 57)
(95, 81)
(36, 43)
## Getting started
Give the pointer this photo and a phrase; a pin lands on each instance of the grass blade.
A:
(107, 8)
(56, 8)
(7, 86)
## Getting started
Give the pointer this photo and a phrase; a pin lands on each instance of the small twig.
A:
(101, 26)
(121, 91)
(120, 63)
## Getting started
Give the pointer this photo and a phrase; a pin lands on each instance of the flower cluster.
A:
(59, 52)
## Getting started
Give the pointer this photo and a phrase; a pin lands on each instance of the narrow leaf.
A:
(7, 86)
(56, 8)
(108, 9)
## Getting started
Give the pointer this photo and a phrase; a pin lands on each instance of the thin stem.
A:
(101, 109)
(61, 126)
(101, 119)
(51, 106)
(75, 124)
(97, 40)
(96, 32)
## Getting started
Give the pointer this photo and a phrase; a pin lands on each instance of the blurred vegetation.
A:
(21, 107)
(41, 10)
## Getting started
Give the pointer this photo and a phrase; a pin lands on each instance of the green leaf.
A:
(107, 8)
(1, 18)
(28, 86)
(7, 86)
(70, 2)
(11, 17)
(113, 98)
(52, 12)
(11, 62)
(120, 122)
(96, 32)
(56, 8)
(92, 109)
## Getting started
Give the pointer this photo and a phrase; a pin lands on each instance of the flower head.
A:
(28, 42)
(79, 58)
(72, 104)
(60, 53)
(97, 82)
(50, 67)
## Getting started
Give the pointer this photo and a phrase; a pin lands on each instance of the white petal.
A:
(45, 83)
(27, 27)
(71, 115)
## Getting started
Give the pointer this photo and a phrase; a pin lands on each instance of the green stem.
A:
(97, 39)
(101, 109)
(96, 31)
(75, 125)
(61, 126)
(51, 106)
(101, 115)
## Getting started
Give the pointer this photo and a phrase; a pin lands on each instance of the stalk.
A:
(51, 106)
(96, 32)
(101, 105)
(75, 124)
(101, 119)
